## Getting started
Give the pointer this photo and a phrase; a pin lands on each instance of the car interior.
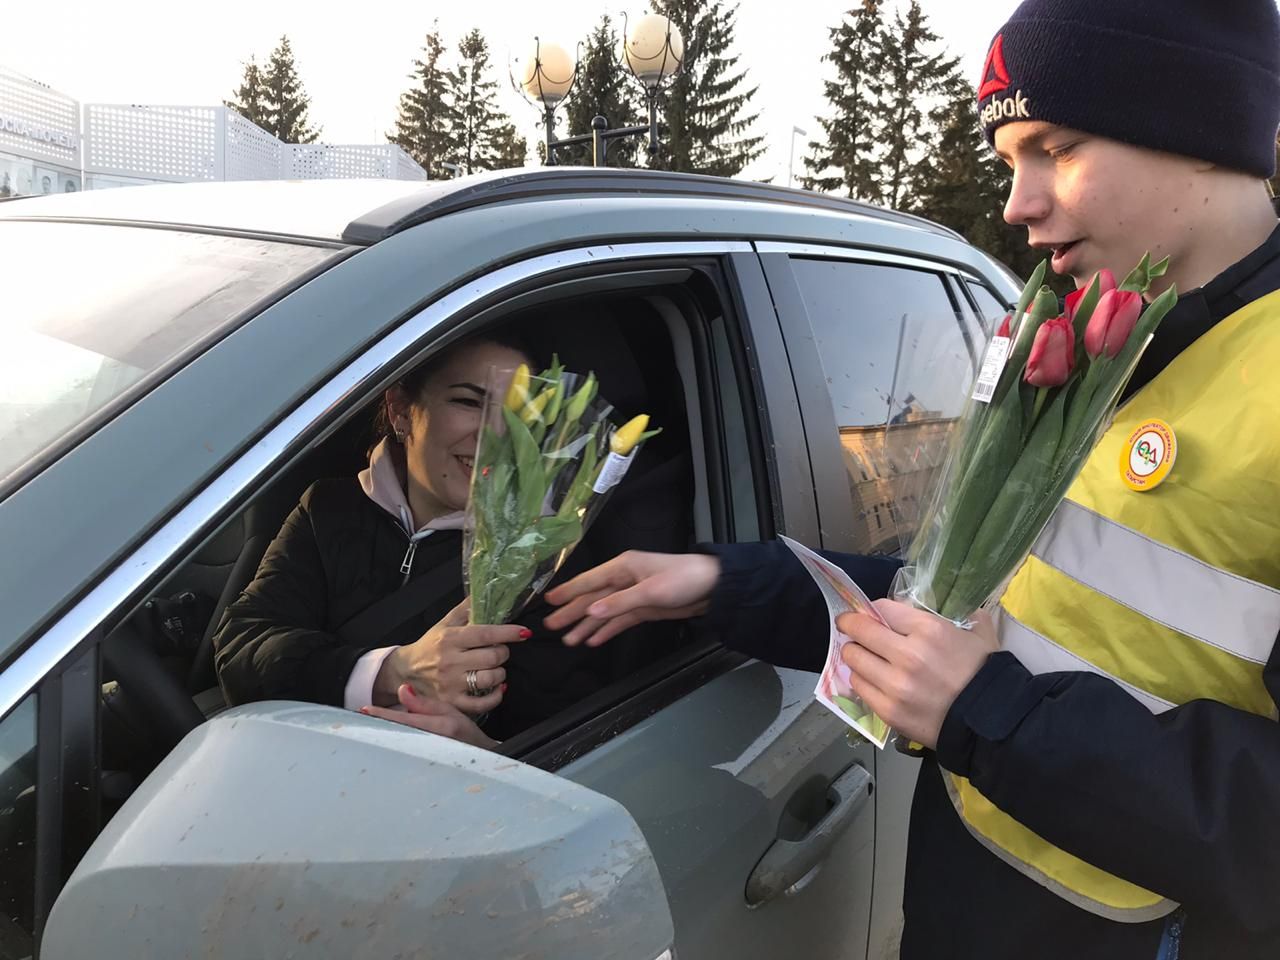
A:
(650, 348)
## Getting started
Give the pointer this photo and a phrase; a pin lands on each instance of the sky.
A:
(355, 60)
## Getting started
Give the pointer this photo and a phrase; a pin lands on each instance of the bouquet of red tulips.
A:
(1047, 391)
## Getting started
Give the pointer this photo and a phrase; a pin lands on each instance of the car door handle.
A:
(786, 862)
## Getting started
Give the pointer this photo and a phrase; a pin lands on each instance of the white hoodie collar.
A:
(381, 483)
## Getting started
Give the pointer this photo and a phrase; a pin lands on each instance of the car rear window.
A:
(89, 311)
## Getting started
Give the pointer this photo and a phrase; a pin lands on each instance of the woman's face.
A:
(441, 424)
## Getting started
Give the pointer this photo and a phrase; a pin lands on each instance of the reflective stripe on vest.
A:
(1136, 571)
(1175, 593)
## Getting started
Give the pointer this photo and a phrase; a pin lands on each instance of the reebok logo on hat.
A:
(995, 79)
(995, 75)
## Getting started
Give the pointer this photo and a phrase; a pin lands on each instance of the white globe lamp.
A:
(546, 74)
(654, 49)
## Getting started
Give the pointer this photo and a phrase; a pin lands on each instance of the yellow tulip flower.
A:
(627, 436)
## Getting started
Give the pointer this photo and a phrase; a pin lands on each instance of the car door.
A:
(752, 805)
(884, 347)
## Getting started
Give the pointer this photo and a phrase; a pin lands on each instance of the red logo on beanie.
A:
(995, 75)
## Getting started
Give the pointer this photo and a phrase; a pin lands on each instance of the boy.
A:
(1104, 775)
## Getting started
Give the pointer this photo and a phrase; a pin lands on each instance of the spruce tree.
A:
(506, 148)
(248, 100)
(285, 103)
(484, 137)
(705, 105)
(426, 124)
(844, 159)
(915, 77)
(605, 89)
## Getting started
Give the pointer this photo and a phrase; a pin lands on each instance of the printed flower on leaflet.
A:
(1106, 282)
(1112, 322)
(1053, 354)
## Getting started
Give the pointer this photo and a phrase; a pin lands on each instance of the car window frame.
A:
(835, 506)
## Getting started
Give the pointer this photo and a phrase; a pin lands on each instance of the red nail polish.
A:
(504, 688)
(365, 711)
(525, 633)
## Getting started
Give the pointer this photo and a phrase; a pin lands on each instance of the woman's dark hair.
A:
(416, 379)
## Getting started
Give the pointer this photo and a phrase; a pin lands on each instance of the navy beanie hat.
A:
(1200, 78)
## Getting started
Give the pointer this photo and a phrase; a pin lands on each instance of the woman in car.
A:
(358, 600)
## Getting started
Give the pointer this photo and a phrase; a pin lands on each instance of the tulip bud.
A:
(627, 436)
(557, 399)
(532, 411)
(1112, 322)
(1006, 326)
(518, 392)
(577, 406)
(1106, 281)
(1053, 354)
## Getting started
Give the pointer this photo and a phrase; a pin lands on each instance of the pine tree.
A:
(844, 159)
(484, 137)
(603, 89)
(915, 77)
(704, 104)
(426, 124)
(248, 100)
(285, 103)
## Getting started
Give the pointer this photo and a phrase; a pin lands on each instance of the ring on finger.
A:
(473, 687)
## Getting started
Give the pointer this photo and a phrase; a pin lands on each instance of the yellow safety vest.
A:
(1174, 593)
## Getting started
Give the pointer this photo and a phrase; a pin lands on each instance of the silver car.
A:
(176, 362)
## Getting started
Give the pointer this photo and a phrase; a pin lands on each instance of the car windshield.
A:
(89, 311)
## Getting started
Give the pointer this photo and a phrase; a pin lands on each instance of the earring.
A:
(401, 433)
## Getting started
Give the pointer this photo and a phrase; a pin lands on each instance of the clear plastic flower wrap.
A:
(547, 457)
(1047, 391)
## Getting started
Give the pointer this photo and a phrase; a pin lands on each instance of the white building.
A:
(130, 144)
(43, 149)
(39, 138)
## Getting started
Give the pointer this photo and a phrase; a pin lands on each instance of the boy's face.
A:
(1095, 202)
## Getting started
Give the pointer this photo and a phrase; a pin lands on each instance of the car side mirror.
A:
(297, 830)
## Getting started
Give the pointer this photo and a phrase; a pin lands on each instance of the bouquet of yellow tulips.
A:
(547, 456)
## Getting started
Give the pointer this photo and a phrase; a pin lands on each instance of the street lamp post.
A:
(653, 51)
(791, 157)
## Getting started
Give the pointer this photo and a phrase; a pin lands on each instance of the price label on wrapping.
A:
(992, 367)
(611, 473)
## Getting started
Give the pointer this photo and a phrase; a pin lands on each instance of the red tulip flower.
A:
(1006, 326)
(1053, 354)
(1106, 281)
(1112, 322)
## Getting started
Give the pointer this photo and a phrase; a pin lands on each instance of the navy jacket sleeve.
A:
(767, 606)
(1184, 803)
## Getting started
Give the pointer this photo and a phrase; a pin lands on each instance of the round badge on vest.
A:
(1148, 455)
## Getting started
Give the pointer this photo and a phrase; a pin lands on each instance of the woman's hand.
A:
(436, 664)
(632, 588)
(433, 716)
(911, 671)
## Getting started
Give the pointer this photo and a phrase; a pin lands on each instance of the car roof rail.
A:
(440, 198)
